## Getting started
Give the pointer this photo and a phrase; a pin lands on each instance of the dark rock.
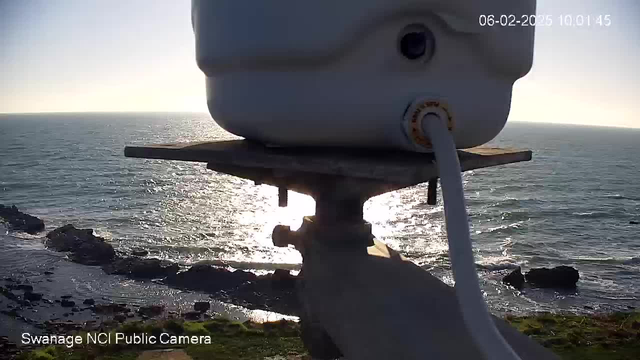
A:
(587, 307)
(8, 348)
(8, 294)
(633, 222)
(120, 318)
(110, 308)
(25, 303)
(515, 279)
(261, 294)
(563, 277)
(141, 268)
(139, 252)
(67, 303)
(151, 310)
(283, 280)
(20, 221)
(75, 309)
(48, 272)
(66, 297)
(89, 302)
(31, 296)
(24, 287)
(13, 312)
(208, 278)
(192, 315)
(84, 247)
(201, 306)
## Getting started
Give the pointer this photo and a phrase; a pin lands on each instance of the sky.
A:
(138, 55)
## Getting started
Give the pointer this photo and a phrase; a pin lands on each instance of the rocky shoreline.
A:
(271, 292)
(274, 292)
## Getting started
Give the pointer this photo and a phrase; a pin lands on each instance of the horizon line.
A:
(205, 112)
(103, 112)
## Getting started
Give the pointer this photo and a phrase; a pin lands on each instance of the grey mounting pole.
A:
(432, 192)
(338, 219)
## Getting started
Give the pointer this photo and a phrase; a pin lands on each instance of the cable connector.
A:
(413, 121)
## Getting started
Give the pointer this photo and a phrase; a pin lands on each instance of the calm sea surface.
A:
(571, 205)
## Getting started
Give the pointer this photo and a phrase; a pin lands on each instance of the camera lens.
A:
(417, 42)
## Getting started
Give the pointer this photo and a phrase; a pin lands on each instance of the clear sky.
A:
(138, 55)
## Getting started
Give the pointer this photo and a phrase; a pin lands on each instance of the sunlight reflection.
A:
(216, 217)
(265, 214)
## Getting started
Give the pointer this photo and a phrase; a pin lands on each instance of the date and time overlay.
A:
(563, 20)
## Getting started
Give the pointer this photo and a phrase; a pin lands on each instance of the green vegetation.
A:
(229, 340)
(48, 353)
(594, 337)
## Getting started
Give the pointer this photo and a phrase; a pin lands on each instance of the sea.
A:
(573, 204)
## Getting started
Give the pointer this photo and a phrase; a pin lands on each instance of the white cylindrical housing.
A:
(333, 73)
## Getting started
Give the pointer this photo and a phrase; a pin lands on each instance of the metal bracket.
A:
(283, 196)
(432, 192)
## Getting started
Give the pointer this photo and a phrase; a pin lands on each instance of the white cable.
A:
(474, 310)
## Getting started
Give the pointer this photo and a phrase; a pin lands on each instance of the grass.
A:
(594, 337)
(229, 340)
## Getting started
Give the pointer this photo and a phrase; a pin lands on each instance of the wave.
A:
(593, 214)
(497, 266)
(23, 235)
(484, 263)
(480, 266)
(507, 228)
(522, 215)
(183, 249)
(618, 298)
(250, 265)
(622, 197)
(511, 202)
(609, 260)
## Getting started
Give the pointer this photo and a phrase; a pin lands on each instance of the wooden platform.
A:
(386, 166)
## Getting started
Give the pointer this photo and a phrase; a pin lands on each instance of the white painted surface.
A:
(329, 73)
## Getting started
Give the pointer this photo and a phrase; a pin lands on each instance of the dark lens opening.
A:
(414, 45)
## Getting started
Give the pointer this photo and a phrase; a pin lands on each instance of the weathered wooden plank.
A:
(392, 166)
